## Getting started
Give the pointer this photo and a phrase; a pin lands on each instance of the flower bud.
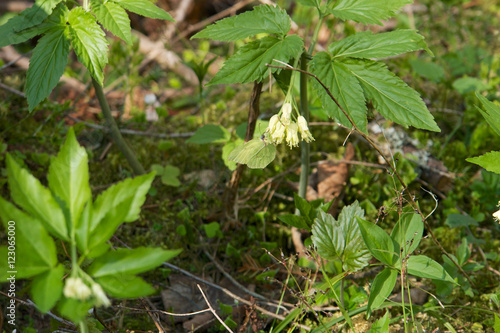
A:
(304, 130)
(272, 124)
(100, 296)
(286, 114)
(76, 288)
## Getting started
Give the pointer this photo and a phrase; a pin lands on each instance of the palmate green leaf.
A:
(343, 86)
(47, 65)
(367, 45)
(69, 176)
(125, 286)
(210, 134)
(119, 203)
(256, 154)
(381, 288)
(130, 261)
(490, 161)
(35, 249)
(47, 288)
(249, 63)
(490, 112)
(425, 267)
(144, 8)
(29, 194)
(113, 18)
(262, 19)
(366, 11)
(88, 41)
(341, 239)
(392, 98)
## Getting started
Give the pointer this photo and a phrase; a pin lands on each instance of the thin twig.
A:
(12, 90)
(101, 321)
(212, 310)
(393, 167)
(188, 314)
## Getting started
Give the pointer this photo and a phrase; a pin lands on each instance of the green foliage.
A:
(210, 134)
(366, 11)
(341, 239)
(256, 154)
(309, 212)
(113, 18)
(169, 174)
(490, 161)
(66, 211)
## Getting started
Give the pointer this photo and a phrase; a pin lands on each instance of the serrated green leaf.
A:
(294, 221)
(69, 176)
(381, 288)
(497, 324)
(34, 15)
(11, 37)
(130, 261)
(425, 267)
(341, 239)
(125, 286)
(408, 232)
(305, 208)
(310, 3)
(256, 154)
(344, 87)
(119, 203)
(47, 65)
(210, 134)
(35, 250)
(381, 325)
(29, 194)
(47, 288)
(367, 45)
(262, 19)
(392, 98)
(88, 41)
(366, 11)
(490, 112)
(113, 18)
(490, 161)
(145, 8)
(249, 63)
(381, 246)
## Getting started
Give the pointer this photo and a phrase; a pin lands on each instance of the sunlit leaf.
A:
(425, 267)
(490, 112)
(381, 288)
(490, 161)
(46, 288)
(144, 8)
(113, 18)
(262, 19)
(366, 11)
(380, 244)
(249, 63)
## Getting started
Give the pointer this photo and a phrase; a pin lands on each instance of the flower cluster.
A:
(282, 127)
(496, 215)
(76, 288)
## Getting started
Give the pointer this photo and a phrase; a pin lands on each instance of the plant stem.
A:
(304, 146)
(115, 132)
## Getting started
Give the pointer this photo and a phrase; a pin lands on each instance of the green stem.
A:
(304, 146)
(115, 132)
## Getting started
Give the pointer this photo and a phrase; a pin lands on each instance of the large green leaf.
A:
(210, 134)
(341, 239)
(113, 18)
(130, 261)
(119, 203)
(47, 288)
(344, 87)
(490, 112)
(381, 288)
(69, 176)
(262, 19)
(425, 267)
(11, 37)
(408, 232)
(379, 243)
(490, 161)
(88, 41)
(29, 194)
(144, 8)
(391, 96)
(367, 45)
(125, 286)
(249, 63)
(35, 250)
(366, 11)
(34, 15)
(47, 65)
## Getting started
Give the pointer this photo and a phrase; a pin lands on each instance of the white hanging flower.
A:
(100, 296)
(496, 215)
(272, 124)
(76, 288)
(304, 129)
(286, 113)
(278, 135)
(292, 138)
